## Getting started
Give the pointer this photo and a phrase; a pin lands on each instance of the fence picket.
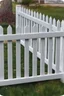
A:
(18, 51)
(50, 49)
(31, 28)
(1, 56)
(34, 58)
(46, 40)
(44, 17)
(10, 71)
(54, 22)
(61, 47)
(42, 60)
(58, 49)
(53, 53)
(26, 58)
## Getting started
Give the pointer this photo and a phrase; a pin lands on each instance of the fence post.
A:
(1, 56)
(9, 31)
(50, 49)
(62, 29)
(17, 9)
(58, 49)
(18, 59)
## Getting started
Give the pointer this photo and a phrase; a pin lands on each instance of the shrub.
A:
(7, 17)
(26, 2)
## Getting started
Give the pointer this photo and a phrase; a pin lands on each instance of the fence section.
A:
(30, 72)
(30, 21)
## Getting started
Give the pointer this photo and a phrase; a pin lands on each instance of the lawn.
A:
(54, 12)
(45, 88)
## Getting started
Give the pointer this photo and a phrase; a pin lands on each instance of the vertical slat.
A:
(9, 31)
(46, 39)
(26, 58)
(24, 21)
(58, 49)
(43, 17)
(18, 66)
(34, 58)
(1, 56)
(50, 55)
(53, 53)
(62, 48)
(31, 28)
(63, 55)
(40, 30)
(17, 8)
(57, 54)
(42, 59)
(50, 50)
(62, 78)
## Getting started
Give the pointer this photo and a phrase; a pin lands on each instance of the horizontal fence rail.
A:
(30, 36)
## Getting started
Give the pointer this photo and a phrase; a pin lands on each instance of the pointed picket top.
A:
(27, 11)
(47, 18)
(31, 12)
(58, 25)
(9, 29)
(1, 30)
(37, 15)
(22, 9)
(54, 21)
(34, 14)
(40, 15)
(43, 17)
(50, 20)
(18, 7)
(62, 25)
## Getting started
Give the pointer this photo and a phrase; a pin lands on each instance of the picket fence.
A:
(40, 35)
(32, 22)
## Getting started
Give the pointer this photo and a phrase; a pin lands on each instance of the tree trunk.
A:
(6, 6)
(6, 14)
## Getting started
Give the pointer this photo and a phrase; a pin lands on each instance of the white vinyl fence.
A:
(43, 75)
(33, 22)
(40, 35)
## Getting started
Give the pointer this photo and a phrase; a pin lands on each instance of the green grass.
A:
(48, 88)
(55, 12)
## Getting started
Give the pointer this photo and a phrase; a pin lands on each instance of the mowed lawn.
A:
(54, 12)
(44, 88)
